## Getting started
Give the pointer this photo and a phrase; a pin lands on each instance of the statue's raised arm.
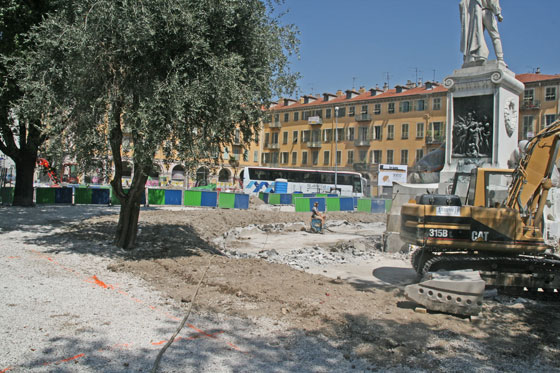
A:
(477, 16)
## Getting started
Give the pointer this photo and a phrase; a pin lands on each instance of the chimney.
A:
(362, 90)
(385, 87)
(538, 70)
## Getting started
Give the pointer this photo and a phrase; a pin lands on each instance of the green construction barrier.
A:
(388, 204)
(44, 196)
(302, 204)
(82, 196)
(226, 200)
(261, 196)
(156, 196)
(333, 204)
(274, 199)
(7, 195)
(192, 198)
(364, 205)
(321, 195)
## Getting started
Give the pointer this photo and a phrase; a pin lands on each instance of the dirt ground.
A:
(368, 320)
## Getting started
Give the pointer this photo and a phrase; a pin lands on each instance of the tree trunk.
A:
(127, 227)
(25, 170)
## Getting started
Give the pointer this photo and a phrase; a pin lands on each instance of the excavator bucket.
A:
(456, 292)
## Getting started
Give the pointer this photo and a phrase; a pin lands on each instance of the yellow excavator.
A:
(496, 229)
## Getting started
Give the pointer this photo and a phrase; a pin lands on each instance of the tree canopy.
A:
(177, 74)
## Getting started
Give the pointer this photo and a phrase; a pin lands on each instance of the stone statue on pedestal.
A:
(477, 16)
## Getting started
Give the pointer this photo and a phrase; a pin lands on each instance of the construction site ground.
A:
(275, 298)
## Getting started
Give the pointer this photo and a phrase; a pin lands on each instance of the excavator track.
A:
(530, 277)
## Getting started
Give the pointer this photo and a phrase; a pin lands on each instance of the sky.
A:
(348, 44)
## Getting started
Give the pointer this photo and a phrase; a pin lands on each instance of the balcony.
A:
(363, 117)
(275, 124)
(530, 105)
(272, 146)
(362, 142)
(314, 144)
(315, 120)
(434, 140)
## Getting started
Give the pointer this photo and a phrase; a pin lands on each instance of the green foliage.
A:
(180, 74)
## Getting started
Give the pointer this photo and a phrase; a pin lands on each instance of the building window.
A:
(391, 108)
(274, 138)
(327, 135)
(350, 156)
(404, 106)
(436, 132)
(341, 112)
(350, 133)
(295, 137)
(276, 118)
(419, 154)
(529, 95)
(550, 94)
(436, 103)
(351, 111)
(285, 137)
(286, 117)
(303, 158)
(338, 157)
(305, 135)
(404, 156)
(420, 105)
(266, 139)
(305, 114)
(404, 131)
(294, 157)
(363, 134)
(274, 157)
(264, 159)
(364, 109)
(284, 157)
(377, 132)
(326, 157)
(315, 157)
(389, 156)
(339, 134)
(296, 116)
(363, 156)
(328, 113)
(377, 109)
(419, 130)
(527, 132)
(549, 119)
(390, 132)
(377, 155)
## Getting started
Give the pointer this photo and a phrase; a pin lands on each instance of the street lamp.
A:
(336, 149)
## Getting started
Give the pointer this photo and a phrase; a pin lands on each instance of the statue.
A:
(477, 16)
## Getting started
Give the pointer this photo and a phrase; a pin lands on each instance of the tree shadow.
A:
(155, 241)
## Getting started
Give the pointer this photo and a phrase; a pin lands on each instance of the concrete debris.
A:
(456, 292)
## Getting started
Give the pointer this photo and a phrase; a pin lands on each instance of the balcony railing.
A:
(530, 105)
(432, 140)
(363, 117)
(362, 142)
(272, 145)
(315, 120)
(314, 144)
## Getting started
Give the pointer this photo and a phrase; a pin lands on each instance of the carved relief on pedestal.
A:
(510, 117)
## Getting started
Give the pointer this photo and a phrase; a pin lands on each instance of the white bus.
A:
(260, 179)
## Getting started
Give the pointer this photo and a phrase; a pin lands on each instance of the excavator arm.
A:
(532, 177)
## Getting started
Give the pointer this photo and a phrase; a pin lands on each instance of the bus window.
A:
(357, 188)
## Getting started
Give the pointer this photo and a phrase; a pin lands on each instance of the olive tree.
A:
(173, 75)
(20, 137)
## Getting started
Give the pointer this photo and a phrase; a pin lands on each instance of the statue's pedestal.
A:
(482, 119)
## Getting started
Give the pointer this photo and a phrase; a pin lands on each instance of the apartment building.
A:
(540, 103)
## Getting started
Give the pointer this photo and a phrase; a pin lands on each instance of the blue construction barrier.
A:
(100, 196)
(241, 201)
(346, 204)
(173, 197)
(63, 195)
(209, 199)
